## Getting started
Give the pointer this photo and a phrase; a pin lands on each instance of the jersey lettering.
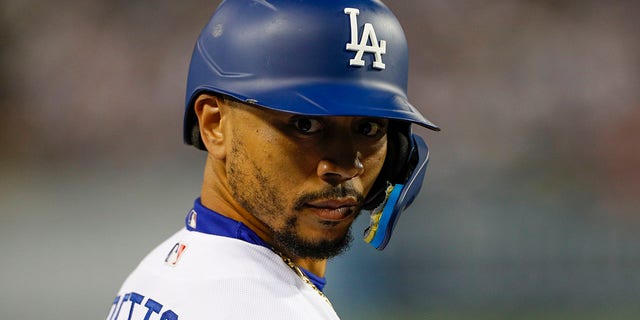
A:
(116, 309)
(135, 299)
(169, 315)
(361, 46)
(153, 308)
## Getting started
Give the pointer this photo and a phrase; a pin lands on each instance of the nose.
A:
(340, 169)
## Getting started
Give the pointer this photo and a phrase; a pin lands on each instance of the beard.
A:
(290, 242)
(256, 193)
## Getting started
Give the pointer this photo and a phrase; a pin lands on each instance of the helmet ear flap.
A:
(396, 164)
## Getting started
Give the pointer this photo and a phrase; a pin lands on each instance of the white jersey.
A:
(195, 275)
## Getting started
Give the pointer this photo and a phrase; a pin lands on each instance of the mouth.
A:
(333, 209)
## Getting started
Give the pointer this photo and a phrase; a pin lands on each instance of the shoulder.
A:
(193, 258)
(192, 274)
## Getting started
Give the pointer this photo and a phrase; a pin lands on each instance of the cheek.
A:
(286, 164)
(292, 168)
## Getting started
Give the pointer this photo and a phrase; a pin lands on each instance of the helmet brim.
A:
(329, 99)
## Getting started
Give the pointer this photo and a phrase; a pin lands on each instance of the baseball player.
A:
(303, 111)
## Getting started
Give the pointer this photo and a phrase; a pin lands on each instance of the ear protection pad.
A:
(400, 189)
(395, 167)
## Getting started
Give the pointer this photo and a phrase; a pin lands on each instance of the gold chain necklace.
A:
(303, 276)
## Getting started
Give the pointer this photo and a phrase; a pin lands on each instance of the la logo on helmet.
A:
(376, 48)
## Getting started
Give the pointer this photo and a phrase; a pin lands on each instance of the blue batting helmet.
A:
(317, 58)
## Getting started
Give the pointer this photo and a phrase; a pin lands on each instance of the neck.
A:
(317, 267)
(216, 196)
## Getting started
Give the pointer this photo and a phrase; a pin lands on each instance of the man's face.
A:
(304, 178)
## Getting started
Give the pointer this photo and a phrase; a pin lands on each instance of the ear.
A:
(210, 112)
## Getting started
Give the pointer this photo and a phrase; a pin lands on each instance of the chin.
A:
(300, 247)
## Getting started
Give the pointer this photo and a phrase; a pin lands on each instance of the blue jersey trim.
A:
(205, 220)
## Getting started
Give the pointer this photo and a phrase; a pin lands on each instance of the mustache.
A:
(341, 191)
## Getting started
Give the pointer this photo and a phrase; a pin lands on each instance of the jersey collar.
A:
(205, 220)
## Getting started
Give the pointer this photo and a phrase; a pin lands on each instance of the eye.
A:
(371, 128)
(306, 125)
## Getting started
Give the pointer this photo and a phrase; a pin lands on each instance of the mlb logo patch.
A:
(193, 219)
(174, 255)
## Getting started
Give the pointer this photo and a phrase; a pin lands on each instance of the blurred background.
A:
(530, 208)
